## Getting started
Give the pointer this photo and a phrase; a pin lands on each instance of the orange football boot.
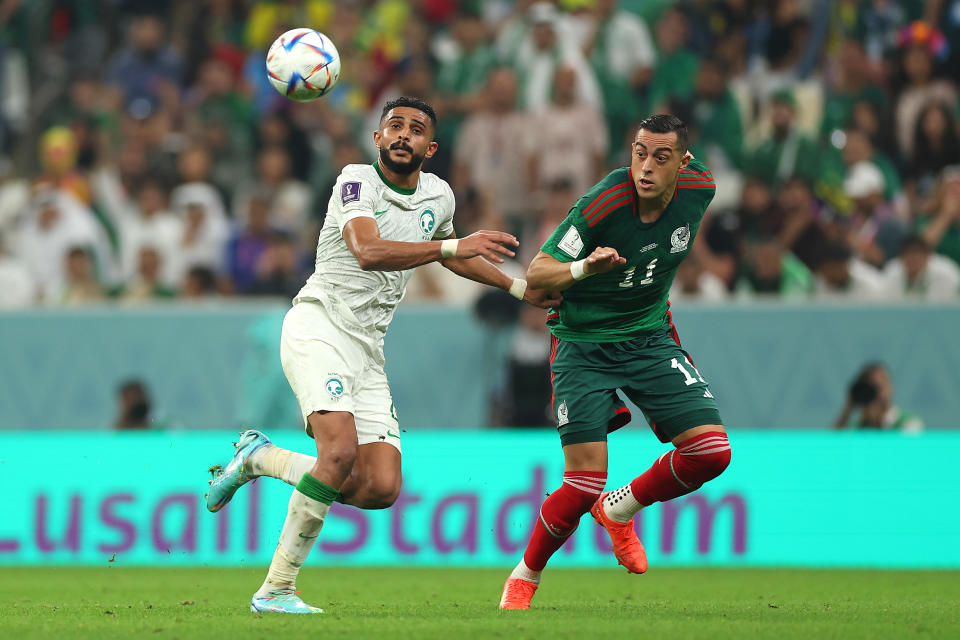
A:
(626, 545)
(517, 594)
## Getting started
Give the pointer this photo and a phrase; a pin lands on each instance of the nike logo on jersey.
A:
(393, 435)
(380, 213)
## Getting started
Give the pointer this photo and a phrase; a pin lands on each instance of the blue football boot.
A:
(236, 474)
(282, 601)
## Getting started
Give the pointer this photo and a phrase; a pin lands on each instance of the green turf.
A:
(665, 604)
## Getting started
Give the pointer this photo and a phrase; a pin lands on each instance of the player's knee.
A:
(339, 453)
(707, 459)
(382, 493)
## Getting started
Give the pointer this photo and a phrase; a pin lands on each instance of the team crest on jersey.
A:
(563, 416)
(679, 239)
(334, 387)
(427, 222)
(350, 192)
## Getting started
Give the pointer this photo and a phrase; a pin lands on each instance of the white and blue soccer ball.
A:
(303, 64)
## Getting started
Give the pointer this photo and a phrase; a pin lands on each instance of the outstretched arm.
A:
(546, 272)
(373, 253)
(479, 270)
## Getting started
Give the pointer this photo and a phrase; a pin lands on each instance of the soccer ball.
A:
(303, 64)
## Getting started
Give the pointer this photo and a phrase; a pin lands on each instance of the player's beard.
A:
(403, 168)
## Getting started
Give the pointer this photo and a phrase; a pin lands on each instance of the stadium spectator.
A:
(871, 395)
(854, 80)
(465, 61)
(279, 270)
(543, 49)
(941, 227)
(720, 141)
(147, 284)
(693, 282)
(58, 155)
(290, 199)
(769, 270)
(490, 155)
(920, 273)
(204, 233)
(16, 284)
(146, 67)
(873, 228)
(936, 144)
(623, 72)
(676, 71)
(133, 406)
(786, 152)
(568, 137)
(920, 47)
(527, 391)
(145, 221)
(246, 248)
(81, 285)
(200, 282)
(840, 274)
(54, 224)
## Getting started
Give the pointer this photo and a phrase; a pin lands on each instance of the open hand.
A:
(492, 245)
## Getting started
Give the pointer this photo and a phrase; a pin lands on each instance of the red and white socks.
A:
(675, 473)
(559, 516)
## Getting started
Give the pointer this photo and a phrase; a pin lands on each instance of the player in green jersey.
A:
(614, 258)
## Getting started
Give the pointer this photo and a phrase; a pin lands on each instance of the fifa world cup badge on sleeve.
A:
(571, 243)
(350, 192)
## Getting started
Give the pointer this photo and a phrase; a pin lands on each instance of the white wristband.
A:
(448, 248)
(518, 288)
(576, 270)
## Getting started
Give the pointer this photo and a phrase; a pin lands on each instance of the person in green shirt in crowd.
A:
(677, 66)
(786, 152)
(941, 226)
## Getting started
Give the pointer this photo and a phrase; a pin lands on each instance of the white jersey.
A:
(405, 215)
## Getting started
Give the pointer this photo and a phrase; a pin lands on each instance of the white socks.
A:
(619, 505)
(524, 572)
(282, 464)
(301, 528)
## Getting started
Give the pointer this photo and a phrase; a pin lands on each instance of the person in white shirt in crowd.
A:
(490, 151)
(601, 32)
(141, 220)
(919, 272)
(578, 155)
(56, 223)
(80, 286)
(195, 165)
(205, 230)
(839, 274)
(542, 50)
(16, 284)
(874, 230)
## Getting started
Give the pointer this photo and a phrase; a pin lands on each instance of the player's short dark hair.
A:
(667, 123)
(413, 103)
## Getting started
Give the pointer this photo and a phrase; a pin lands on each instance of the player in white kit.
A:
(382, 220)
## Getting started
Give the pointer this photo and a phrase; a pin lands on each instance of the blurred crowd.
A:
(143, 155)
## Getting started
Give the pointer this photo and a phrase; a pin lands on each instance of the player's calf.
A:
(675, 473)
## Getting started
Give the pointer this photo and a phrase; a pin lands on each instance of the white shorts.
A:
(331, 369)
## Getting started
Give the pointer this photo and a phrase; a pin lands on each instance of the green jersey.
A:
(630, 300)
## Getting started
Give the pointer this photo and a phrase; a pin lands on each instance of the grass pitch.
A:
(386, 604)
